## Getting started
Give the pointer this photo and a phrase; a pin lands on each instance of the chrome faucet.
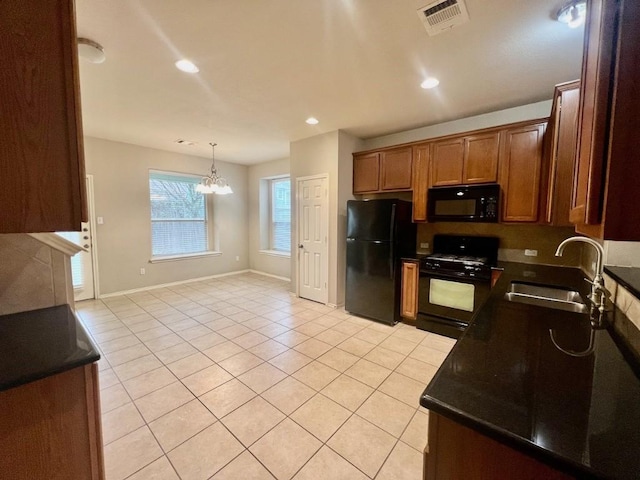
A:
(598, 293)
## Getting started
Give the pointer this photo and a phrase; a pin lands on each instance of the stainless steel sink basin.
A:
(557, 298)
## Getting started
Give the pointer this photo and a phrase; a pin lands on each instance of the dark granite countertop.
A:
(507, 380)
(628, 277)
(41, 343)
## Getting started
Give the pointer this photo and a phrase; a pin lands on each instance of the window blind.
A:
(281, 215)
(178, 215)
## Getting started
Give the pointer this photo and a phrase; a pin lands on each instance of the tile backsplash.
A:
(32, 275)
(514, 239)
(628, 326)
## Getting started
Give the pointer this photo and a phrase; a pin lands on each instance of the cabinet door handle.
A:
(300, 246)
(86, 245)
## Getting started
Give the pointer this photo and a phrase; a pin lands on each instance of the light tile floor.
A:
(234, 378)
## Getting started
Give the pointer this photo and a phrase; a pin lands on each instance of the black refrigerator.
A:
(379, 233)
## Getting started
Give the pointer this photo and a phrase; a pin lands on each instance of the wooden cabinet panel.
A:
(481, 158)
(41, 155)
(409, 297)
(395, 169)
(594, 104)
(366, 173)
(50, 428)
(420, 181)
(458, 452)
(447, 159)
(606, 179)
(563, 130)
(521, 160)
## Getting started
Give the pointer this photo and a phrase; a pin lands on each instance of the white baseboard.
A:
(171, 284)
(286, 279)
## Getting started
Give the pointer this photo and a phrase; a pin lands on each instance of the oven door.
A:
(447, 304)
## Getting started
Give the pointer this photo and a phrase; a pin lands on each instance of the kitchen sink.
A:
(547, 296)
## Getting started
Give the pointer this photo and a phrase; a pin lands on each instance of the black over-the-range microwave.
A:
(467, 203)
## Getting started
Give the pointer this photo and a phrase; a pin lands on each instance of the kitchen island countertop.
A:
(40, 343)
(508, 380)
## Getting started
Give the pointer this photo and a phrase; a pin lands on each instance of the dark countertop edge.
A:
(91, 357)
(50, 372)
(508, 439)
(625, 277)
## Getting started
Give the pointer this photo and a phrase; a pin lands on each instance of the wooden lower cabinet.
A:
(50, 428)
(409, 297)
(455, 452)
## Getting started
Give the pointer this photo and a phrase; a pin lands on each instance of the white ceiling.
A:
(267, 65)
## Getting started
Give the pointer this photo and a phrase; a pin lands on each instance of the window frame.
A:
(271, 250)
(208, 221)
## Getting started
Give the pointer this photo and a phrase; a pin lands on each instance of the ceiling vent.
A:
(442, 15)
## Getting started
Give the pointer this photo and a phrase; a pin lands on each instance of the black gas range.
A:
(454, 281)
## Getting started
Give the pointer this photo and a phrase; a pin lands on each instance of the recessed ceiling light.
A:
(430, 82)
(312, 121)
(187, 66)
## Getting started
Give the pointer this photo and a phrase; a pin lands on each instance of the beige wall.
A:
(315, 156)
(492, 119)
(346, 146)
(258, 219)
(121, 183)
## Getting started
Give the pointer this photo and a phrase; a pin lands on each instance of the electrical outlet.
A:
(530, 253)
(424, 245)
(237, 258)
(142, 271)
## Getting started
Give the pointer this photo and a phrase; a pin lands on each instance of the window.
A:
(280, 221)
(178, 215)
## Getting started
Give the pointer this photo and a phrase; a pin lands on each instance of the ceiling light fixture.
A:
(187, 66)
(213, 183)
(91, 51)
(430, 82)
(312, 121)
(573, 13)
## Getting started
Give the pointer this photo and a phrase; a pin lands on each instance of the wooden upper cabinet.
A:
(395, 169)
(593, 114)
(41, 155)
(607, 174)
(420, 181)
(521, 169)
(465, 159)
(385, 171)
(481, 158)
(562, 133)
(447, 160)
(366, 173)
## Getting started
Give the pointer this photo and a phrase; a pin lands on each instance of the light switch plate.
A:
(100, 220)
(531, 253)
(424, 245)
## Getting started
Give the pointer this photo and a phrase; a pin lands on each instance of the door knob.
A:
(86, 245)
(85, 229)
(85, 238)
(300, 246)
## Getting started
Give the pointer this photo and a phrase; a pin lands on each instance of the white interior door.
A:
(312, 238)
(82, 263)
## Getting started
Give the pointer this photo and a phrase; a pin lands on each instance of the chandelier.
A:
(213, 183)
